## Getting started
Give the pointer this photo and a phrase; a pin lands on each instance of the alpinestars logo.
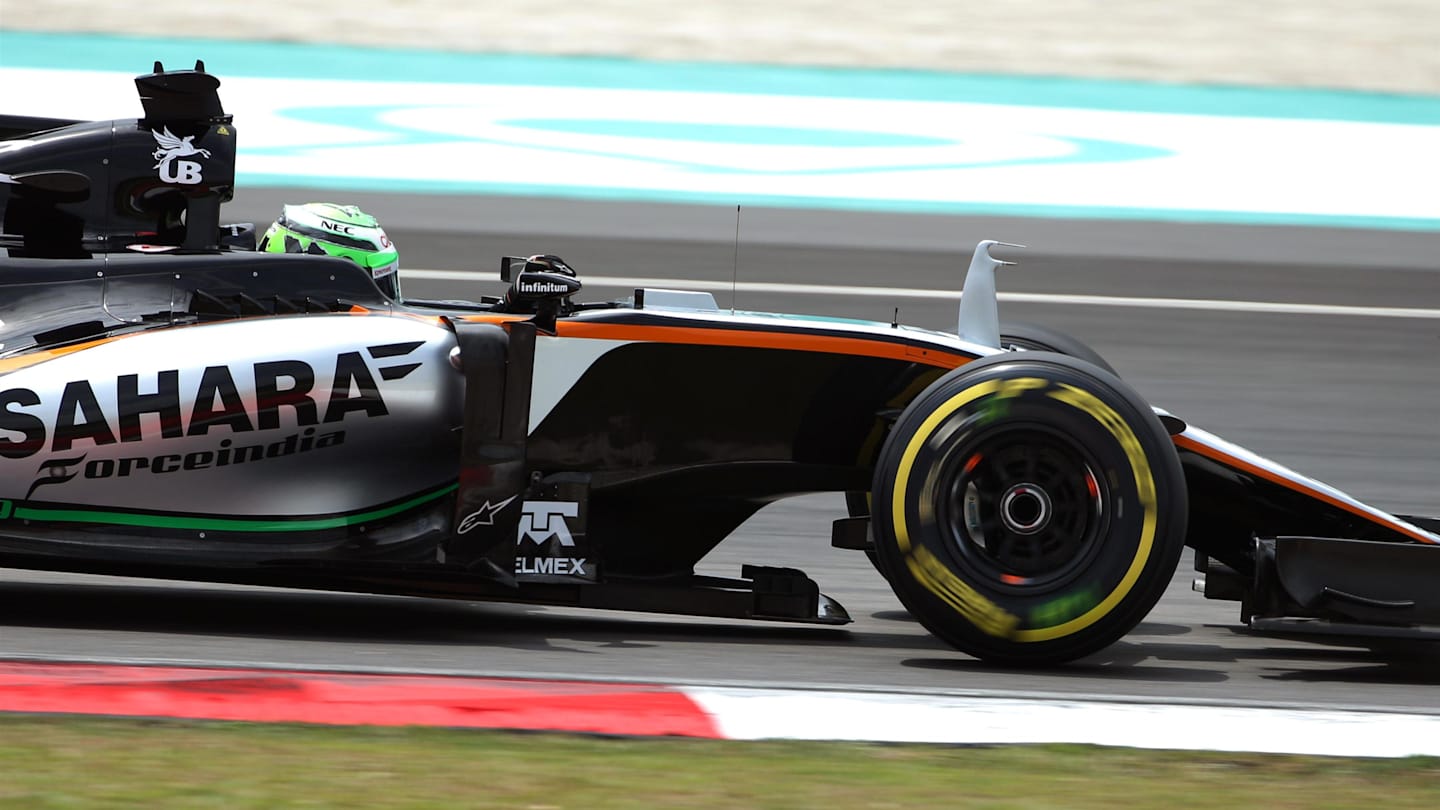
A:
(484, 516)
(184, 172)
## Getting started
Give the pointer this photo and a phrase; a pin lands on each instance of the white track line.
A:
(1204, 304)
(759, 714)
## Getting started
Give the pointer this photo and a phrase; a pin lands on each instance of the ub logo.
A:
(184, 172)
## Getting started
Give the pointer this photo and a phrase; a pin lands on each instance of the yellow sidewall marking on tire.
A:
(1144, 487)
(930, 572)
(941, 581)
(907, 459)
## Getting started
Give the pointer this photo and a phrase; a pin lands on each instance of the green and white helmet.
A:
(337, 230)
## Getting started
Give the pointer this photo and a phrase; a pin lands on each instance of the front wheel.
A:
(1034, 337)
(1028, 509)
(1014, 336)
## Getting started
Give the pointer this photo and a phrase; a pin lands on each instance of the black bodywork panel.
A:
(1349, 581)
(101, 185)
(45, 303)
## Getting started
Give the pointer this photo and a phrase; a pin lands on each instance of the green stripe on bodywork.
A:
(197, 523)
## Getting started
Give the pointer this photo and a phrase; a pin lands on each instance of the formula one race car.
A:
(175, 404)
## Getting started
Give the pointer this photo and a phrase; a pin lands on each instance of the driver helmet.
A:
(337, 230)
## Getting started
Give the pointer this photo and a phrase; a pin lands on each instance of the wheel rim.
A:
(1023, 507)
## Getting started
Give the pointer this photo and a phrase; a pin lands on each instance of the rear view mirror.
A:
(239, 235)
(510, 267)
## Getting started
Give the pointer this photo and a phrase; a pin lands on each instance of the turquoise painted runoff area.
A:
(724, 160)
(291, 60)
(372, 119)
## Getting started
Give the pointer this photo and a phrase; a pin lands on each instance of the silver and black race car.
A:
(175, 404)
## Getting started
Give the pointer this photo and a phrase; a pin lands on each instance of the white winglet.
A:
(979, 309)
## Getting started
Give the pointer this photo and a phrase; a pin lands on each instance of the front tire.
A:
(1014, 336)
(1034, 337)
(1029, 509)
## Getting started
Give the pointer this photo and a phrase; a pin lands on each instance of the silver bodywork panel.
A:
(280, 416)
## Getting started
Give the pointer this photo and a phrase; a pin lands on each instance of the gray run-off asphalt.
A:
(1350, 400)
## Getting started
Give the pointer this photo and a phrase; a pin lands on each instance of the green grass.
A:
(83, 763)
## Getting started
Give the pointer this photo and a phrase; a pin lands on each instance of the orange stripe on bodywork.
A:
(752, 338)
(1215, 454)
(491, 318)
(792, 341)
(18, 362)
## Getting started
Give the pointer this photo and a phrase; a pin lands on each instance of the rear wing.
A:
(69, 189)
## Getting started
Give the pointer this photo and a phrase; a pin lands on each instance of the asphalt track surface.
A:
(1347, 398)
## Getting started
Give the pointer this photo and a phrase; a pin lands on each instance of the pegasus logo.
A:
(185, 172)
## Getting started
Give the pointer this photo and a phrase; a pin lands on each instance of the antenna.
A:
(735, 263)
